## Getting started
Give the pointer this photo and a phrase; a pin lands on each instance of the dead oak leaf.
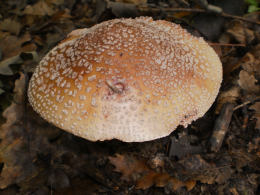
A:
(136, 170)
(248, 82)
(12, 46)
(128, 166)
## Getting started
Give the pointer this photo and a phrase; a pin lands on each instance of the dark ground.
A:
(38, 158)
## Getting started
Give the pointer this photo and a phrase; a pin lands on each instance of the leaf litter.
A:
(38, 158)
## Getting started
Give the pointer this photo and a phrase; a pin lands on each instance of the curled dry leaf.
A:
(136, 170)
(248, 82)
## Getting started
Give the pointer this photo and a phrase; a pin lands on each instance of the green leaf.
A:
(253, 8)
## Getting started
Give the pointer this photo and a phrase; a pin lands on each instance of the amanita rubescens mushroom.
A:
(129, 79)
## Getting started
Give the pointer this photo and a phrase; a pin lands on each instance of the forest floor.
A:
(38, 158)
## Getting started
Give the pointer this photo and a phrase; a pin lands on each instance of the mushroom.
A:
(129, 79)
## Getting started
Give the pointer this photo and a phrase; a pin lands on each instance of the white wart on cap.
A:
(129, 79)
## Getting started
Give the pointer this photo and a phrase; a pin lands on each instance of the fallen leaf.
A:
(231, 96)
(12, 148)
(4, 65)
(13, 46)
(11, 26)
(254, 145)
(145, 177)
(55, 2)
(256, 108)
(41, 8)
(128, 166)
(233, 191)
(248, 82)
(241, 33)
(197, 169)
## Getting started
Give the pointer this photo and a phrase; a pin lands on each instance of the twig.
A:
(195, 10)
(246, 103)
(242, 105)
(221, 127)
(227, 44)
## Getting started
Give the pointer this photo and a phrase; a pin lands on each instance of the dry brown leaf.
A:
(230, 96)
(147, 181)
(241, 33)
(128, 166)
(11, 147)
(11, 26)
(256, 108)
(197, 169)
(41, 8)
(137, 170)
(55, 2)
(234, 191)
(248, 63)
(248, 82)
(13, 46)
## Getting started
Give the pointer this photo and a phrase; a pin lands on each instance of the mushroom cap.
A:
(129, 79)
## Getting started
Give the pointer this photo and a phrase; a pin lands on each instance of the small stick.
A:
(221, 126)
(242, 105)
(227, 44)
(246, 103)
(196, 10)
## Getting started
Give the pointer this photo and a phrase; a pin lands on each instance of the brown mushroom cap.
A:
(129, 79)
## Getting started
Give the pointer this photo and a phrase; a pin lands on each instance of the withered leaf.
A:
(13, 46)
(256, 108)
(128, 166)
(41, 8)
(196, 168)
(248, 82)
(11, 26)
(12, 147)
(241, 33)
(231, 96)
(249, 63)
(4, 65)
(136, 170)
